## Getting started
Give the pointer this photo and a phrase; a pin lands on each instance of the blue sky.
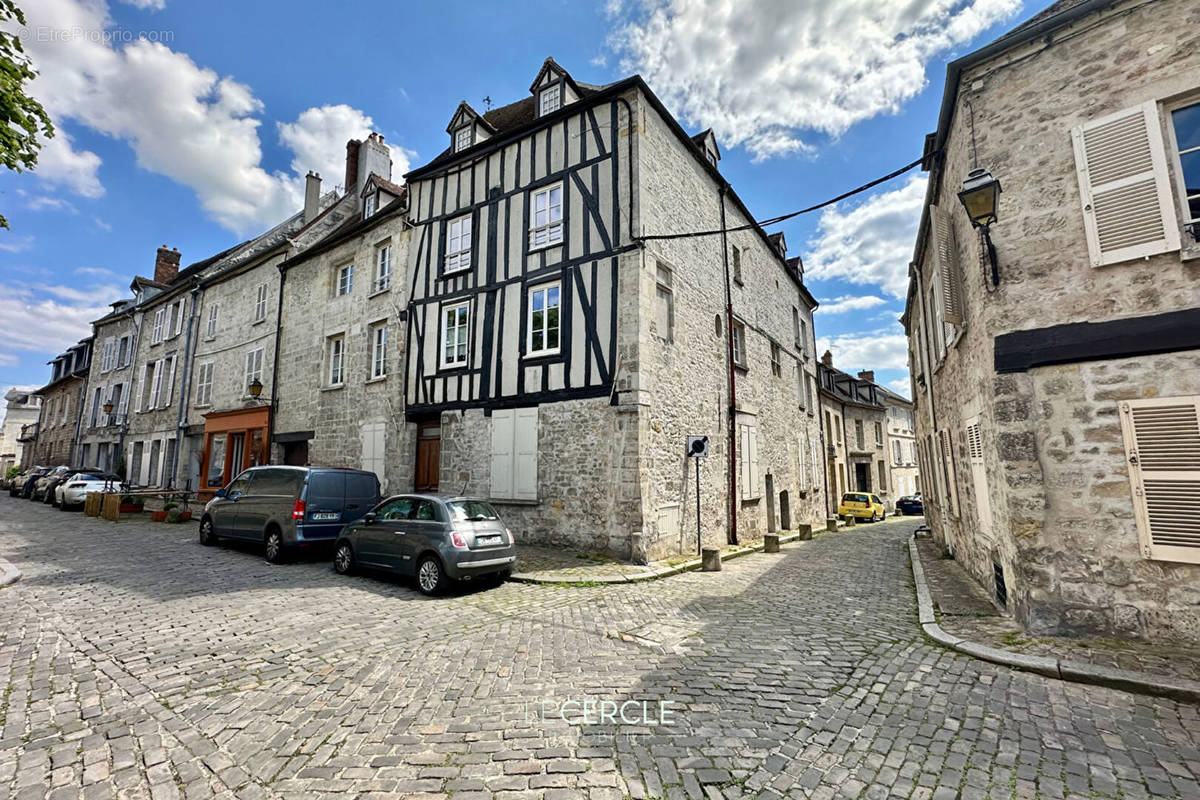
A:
(192, 124)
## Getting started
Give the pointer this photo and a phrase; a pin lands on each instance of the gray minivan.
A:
(285, 507)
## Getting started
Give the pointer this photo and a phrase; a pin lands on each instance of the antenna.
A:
(487, 103)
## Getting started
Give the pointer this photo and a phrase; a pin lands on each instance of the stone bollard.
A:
(851, 522)
(710, 559)
(831, 524)
(771, 543)
(805, 533)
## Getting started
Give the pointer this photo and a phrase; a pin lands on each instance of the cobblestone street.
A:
(136, 663)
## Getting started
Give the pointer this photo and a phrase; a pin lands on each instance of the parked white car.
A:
(73, 491)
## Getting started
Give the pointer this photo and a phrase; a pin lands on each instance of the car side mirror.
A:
(221, 493)
(369, 518)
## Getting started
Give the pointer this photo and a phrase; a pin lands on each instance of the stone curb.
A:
(652, 575)
(8, 573)
(1062, 669)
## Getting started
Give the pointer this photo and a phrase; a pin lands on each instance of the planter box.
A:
(130, 508)
(158, 516)
(185, 515)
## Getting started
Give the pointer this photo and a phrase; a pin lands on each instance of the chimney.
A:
(166, 264)
(352, 148)
(375, 158)
(312, 196)
(827, 359)
(867, 375)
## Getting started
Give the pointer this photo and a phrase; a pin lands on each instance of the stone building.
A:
(61, 398)
(854, 421)
(340, 397)
(21, 408)
(1057, 370)
(110, 381)
(560, 355)
(903, 475)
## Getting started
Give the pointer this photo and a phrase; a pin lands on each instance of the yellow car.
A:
(862, 506)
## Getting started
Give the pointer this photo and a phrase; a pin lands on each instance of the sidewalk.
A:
(965, 611)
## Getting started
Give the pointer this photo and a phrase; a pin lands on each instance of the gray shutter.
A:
(502, 453)
(949, 271)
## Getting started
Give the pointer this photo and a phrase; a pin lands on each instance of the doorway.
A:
(295, 454)
(237, 449)
(785, 511)
(429, 456)
(862, 477)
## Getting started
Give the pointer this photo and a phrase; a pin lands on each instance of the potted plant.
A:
(131, 505)
(161, 516)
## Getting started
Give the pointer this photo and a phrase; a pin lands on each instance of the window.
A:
(664, 304)
(156, 333)
(802, 383)
(551, 99)
(739, 344)
(882, 468)
(1185, 126)
(260, 303)
(454, 335)
(796, 328)
(254, 366)
(896, 453)
(748, 459)
(337, 356)
(106, 360)
(776, 362)
(96, 403)
(379, 341)
(543, 320)
(394, 510)
(124, 352)
(983, 502)
(155, 387)
(515, 453)
(546, 226)
(462, 138)
(1162, 447)
(119, 399)
(369, 204)
(345, 279)
(737, 265)
(947, 448)
(204, 382)
(167, 385)
(711, 156)
(859, 438)
(935, 321)
(458, 244)
(172, 319)
(212, 320)
(810, 391)
(878, 433)
(383, 268)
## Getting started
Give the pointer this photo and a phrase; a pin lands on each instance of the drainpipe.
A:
(935, 456)
(275, 365)
(732, 370)
(185, 382)
(79, 410)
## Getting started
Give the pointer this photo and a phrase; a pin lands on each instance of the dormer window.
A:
(462, 138)
(370, 204)
(711, 156)
(550, 99)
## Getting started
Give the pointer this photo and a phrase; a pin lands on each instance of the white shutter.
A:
(157, 387)
(749, 450)
(141, 388)
(1122, 168)
(1162, 445)
(502, 453)
(949, 272)
(983, 501)
(947, 446)
(124, 397)
(170, 382)
(525, 454)
(178, 320)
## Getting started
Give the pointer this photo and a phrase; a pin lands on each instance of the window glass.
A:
(240, 484)
(454, 332)
(424, 511)
(327, 486)
(361, 486)
(543, 319)
(277, 482)
(471, 511)
(395, 509)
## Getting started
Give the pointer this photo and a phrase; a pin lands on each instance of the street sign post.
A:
(697, 448)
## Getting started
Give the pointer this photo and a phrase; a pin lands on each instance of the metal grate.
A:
(1001, 586)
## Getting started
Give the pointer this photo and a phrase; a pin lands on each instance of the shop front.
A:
(233, 441)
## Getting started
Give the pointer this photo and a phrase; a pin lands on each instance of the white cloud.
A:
(871, 243)
(182, 120)
(874, 350)
(901, 386)
(840, 305)
(43, 203)
(761, 71)
(15, 245)
(151, 5)
(46, 325)
(8, 360)
(318, 141)
(100, 272)
(59, 163)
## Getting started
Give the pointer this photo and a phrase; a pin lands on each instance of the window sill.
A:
(380, 379)
(333, 387)
(378, 292)
(454, 273)
(451, 367)
(202, 405)
(210, 338)
(259, 321)
(542, 355)
(512, 501)
(740, 367)
(533, 248)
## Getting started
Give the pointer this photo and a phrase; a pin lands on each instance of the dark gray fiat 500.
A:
(436, 539)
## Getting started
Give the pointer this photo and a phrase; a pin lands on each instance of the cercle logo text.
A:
(78, 33)
(589, 711)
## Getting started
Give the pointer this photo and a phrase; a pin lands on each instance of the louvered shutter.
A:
(949, 272)
(170, 382)
(1162, 444)
(947, 447)
(141, 389)
(525, 449)
(157, 386)
(1121, 163)
(983, 501)
(502, 453)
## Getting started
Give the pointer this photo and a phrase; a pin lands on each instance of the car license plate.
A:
(488, 540)
(325, 517)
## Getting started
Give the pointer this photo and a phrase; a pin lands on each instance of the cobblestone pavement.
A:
(136, 663)
(965, 610)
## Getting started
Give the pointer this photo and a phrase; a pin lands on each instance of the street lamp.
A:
(979, 196)
(108, 407)
(255, 388)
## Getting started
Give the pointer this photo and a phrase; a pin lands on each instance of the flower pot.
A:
(158, 516)
(185, 515)
(130, 508)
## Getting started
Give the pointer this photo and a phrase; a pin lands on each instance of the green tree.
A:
(22, 119)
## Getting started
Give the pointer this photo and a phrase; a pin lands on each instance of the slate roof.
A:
(847, 388)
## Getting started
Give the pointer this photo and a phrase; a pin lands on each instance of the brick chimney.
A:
(867, 375)
(827, 359)
(166, 264)
(312, 195)
(352, 148)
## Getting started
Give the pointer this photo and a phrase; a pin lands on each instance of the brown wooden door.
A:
(429, 456)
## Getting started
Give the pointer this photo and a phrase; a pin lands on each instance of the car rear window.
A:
(854, 498)
(327, 486)
(279, 482)
(471, 511)
(362, 486)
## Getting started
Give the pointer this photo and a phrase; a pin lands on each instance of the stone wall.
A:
(56, 424)
(1055, 480)
(106, 433)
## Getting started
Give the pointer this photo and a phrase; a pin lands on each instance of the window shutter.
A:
(1162, 445)
(502, 453)
(170, 382)
(137, 400)
(947, 446)
(1121, 163)
(526, 454)
(983, 500)
(949, 273)
(154, 390)
(749, 450)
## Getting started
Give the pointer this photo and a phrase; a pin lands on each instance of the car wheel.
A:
(274, 547)
(874, 516)
(208, 536)
(343, 559)
(431, 578)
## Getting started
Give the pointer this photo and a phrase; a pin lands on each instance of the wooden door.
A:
(429, 456)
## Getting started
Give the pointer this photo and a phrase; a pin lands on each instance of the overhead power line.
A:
(774, 220)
